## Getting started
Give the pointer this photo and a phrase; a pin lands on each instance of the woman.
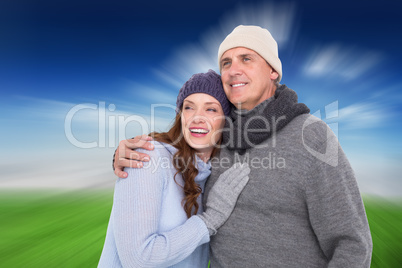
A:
(157, 218)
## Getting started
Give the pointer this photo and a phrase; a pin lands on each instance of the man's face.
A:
(247, 78)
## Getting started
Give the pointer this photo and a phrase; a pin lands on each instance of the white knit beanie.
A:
(254, 38)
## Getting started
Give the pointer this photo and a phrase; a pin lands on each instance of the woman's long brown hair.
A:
(183, 161)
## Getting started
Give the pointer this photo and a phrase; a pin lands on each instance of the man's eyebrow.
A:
(239, 56)
(225, 59)
(246, 55)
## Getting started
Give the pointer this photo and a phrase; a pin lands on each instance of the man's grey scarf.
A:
(245, 129)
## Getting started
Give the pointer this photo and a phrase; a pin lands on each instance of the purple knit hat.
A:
(209, 83)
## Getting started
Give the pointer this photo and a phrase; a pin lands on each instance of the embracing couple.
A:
(215, 199)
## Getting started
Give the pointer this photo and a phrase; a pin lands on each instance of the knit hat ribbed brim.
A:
(209, 83)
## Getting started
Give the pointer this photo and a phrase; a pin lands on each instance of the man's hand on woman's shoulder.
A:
(126, 156)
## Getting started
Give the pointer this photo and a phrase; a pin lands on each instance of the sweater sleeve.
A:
(336, 209)
(137, 210)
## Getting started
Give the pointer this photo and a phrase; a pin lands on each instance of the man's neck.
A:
(271, 92)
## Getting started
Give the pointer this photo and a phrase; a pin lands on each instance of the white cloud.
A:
(363, 115)
(189, 59)
(339, 60)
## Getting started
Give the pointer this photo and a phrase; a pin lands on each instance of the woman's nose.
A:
(199, 118)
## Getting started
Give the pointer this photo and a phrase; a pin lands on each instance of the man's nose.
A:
(235, 68)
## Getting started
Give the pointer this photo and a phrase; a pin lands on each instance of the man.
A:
(302, 206)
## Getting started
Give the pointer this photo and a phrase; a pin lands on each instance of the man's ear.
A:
(273, 74)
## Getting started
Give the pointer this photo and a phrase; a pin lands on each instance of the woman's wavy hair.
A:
(183, 161)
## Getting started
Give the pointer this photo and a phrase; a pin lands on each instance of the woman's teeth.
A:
(199, 130)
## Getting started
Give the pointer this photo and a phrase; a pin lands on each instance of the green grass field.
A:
(68, 229)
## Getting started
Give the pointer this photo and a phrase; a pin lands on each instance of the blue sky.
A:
(70, 70)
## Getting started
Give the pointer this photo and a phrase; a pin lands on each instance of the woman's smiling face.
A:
(202, 121)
